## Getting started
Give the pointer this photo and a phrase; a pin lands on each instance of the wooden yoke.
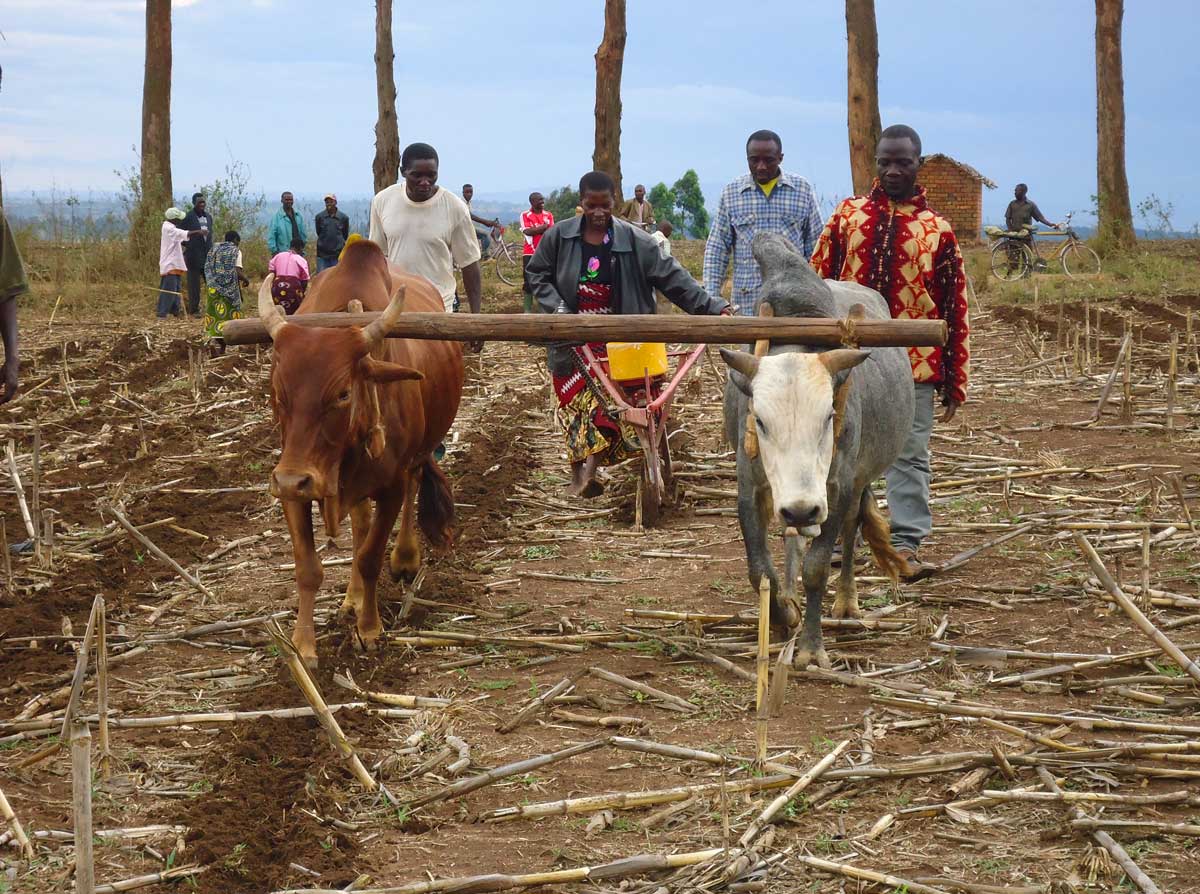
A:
(750, 438)
(377, 439)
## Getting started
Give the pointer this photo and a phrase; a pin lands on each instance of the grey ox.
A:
(812, 477)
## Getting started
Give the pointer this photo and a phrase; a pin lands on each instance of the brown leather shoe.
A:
(914, 568)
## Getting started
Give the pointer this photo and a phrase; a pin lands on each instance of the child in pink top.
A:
(291, 277)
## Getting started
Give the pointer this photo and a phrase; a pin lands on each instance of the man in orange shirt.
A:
(892, 241)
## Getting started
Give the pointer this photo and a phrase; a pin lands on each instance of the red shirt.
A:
(907, 253)
(534, 219)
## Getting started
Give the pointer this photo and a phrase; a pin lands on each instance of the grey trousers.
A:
(908, 478)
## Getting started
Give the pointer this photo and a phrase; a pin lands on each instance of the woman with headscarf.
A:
(223, 274)
(291, 277)
(170, 263)
(597, 264)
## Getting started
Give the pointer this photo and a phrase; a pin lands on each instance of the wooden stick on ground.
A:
(1172, 375)
(768, 814)
(1175, 485)
(1112, 378)
(77, 679)
(668, 700)
(154, 878)
(1106, 841)
(8, 578)
(7, 814)
(626, 867)
(102, 688)
(11, 452)
(30, 728)
(35, 487)
(313, 695)
(539, 702)
(463, 786)
(146, 542)
(390, 698)
(868, 875)
(630, 800)
(81, 797)
(1143, 623)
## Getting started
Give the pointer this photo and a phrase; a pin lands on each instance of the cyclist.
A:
(1019, 218)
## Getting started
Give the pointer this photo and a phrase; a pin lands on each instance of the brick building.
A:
(955, 191)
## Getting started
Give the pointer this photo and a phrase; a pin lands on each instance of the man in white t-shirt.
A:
(427, 230)
(662, 237)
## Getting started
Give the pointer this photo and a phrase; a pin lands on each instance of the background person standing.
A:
(171, 264)
(333, 229)
(534, 223)
(291, 277)
(286, 226)
(199, 224)
(767, 200)
(224, 277)
(638, 211)
(12, 284)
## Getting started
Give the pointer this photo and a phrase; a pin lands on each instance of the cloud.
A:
(706, 103)
(54, 8)
(949, 118)
(27, 114)
(50, 40)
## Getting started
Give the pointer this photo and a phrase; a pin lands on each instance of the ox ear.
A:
(842, 359)
(383, 371)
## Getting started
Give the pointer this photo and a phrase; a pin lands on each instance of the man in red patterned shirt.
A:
(534, 224)
(893, 242)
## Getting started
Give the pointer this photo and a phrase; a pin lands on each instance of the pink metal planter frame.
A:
(646, 406)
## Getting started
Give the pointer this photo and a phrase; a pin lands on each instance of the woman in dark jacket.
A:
(597, 264)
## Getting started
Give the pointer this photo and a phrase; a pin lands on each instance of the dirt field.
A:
(132, 415)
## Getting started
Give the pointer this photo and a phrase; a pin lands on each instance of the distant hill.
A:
(68, 217)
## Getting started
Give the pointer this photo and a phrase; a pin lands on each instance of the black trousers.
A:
(194, 275)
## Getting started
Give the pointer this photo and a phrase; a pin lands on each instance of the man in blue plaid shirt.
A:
(767, 200)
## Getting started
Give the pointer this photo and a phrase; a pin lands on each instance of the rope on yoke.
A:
(849, 336)
(750, 438)
(377, 438)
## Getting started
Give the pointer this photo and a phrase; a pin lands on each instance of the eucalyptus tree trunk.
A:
(610, 57)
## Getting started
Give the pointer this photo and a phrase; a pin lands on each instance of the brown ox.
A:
(360, 415)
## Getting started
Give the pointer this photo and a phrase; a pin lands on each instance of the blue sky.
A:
(505, 91)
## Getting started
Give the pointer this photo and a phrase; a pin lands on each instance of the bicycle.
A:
(1013, 258)
(507, 258)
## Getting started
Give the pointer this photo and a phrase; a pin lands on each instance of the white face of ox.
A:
(793, 401)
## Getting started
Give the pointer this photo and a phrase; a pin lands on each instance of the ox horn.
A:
(271, 313)
(746, 364)
(376, 331)
(842, 358)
